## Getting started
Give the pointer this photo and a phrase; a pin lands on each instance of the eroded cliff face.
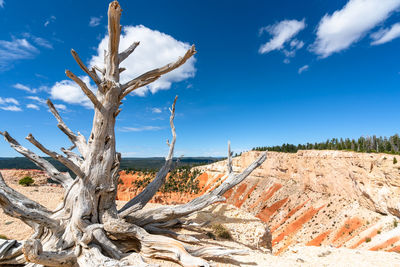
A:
(344, 199)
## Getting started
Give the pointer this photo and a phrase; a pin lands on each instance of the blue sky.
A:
(266, 72)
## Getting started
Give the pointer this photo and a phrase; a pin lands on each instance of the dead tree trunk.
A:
(87, 229)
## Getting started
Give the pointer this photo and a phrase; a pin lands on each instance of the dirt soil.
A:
(245, 229)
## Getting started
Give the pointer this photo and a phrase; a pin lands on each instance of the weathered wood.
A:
(230, 170)
(92, 74)
(63, 178)
(86, 229)
(166, 213)
(66, 162)
(85, 89)
(125, 54)
(139, 201)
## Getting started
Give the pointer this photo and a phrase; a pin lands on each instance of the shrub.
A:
(394, 160)
(221, 232)
(395, 223)
(26, 181)
(3, 237)
(368, 239)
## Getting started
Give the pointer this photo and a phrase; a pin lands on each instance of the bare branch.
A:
(11, 252)
(101, 70)
(77, 140)
(66, 162)
(229, 158)
(141, 200)
(144, 217)
(114, 31)
(75, 158)
(92, 74)
(123, 55)
(138, 85)
(63, 178)
(85, 89)
(33, 252)
(19, 206)
(163, 70)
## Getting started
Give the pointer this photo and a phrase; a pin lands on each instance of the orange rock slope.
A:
(343, 199)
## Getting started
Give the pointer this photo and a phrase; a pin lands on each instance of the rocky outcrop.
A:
(344, 199)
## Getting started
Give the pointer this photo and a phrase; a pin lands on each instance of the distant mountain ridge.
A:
(126, 163)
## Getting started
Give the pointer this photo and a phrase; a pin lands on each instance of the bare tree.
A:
(87, 229)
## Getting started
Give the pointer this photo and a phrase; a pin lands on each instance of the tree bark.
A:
(86, 229)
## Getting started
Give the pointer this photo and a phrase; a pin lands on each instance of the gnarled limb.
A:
(137, 85)
(63, 178)
(11, 252)
(92, 73)
(75, 158)
(159, 231)
(33, 252)
(144, 217)
(139, 201)
(125, 54)
(77, 139)
(161, 71)
(19, 206)
(66, 162)
(85, 89)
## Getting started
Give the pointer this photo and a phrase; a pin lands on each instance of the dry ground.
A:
(245, 230)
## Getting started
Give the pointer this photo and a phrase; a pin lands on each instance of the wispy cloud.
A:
(156, 110)
(139, 129)
(95, 21)
(38, 99)
(49, 20)
(25, 88)
(60, 106)
(350, 24)
(11, 108)
(9, 104)
(303, 69)
(12, 51)
(8, 100)
(33, 106)
(282, 32)
(2, 3)
(386, 35)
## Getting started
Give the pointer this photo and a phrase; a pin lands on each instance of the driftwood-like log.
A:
(86, 229)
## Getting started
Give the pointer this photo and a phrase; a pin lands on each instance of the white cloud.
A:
(156, 110)
(24, 88)
(33, 106)
(94, 21)
(140, 129)
(38, 99)
(286, 61)
(11, 108)
(8, 100)
(155, 50)
(303, 69)
(2, 3)
(60, 107)
(344, 27)
(11, 51)
(68, 91)
(49, 20)
(281, 32)
(386, 35)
